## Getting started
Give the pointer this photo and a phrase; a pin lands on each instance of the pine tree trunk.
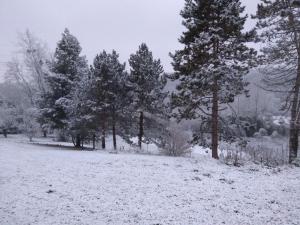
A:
(94, 141)
(215, 118)
(141, 130)
(256, 112)
(293, 142)
(5, 133)
(114, 135)
(114, 129)
(103, 138)
(78, 141)
(294, 123)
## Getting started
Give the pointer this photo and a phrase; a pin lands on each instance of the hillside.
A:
(47, 185)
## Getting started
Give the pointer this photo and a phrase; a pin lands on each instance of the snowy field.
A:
(46, 185)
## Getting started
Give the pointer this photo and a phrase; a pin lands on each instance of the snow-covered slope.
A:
(46, 185)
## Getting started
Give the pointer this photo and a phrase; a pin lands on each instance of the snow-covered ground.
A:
(46, 185)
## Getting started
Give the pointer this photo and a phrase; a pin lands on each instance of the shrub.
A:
(176, 143)
(263, 152)
(257, 135)
(275, 134)
(263, 132)
(267, 155)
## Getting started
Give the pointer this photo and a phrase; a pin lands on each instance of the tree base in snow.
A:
(296, 162)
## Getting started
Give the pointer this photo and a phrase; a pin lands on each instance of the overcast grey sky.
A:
(98, 24)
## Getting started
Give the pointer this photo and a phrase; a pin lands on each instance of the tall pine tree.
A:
(109, 90)
(78, 106)
(215, 58)
(147, 79)
(67, 68)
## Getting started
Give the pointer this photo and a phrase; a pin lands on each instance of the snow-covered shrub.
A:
(265, 150)
(296, 162)
(234, 154)
(274, 123)
(263, 132)
(275, 134)
(232, 157)
(8, 118)
(248, 124)
(176, 143)
(267, 154)
(257, 135)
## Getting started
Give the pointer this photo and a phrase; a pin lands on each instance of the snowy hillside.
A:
(46, 185)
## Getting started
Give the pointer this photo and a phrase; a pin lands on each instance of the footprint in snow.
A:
(50, 191)
(207, 175)
(223, 180)
(197, 178)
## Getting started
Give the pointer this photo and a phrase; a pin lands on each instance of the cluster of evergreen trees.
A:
(209, 69)
(83, 101)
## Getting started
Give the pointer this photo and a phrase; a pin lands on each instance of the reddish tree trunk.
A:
(141, 129)
(294, 123)
(215, 118)
(103, 137)
(5, 133)
(78, 141)
(94, 141)
(114, 135)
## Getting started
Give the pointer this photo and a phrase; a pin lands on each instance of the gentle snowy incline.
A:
(43, 185)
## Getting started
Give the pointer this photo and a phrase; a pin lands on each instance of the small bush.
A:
(176, 143)
(257, 135)
(267, 155)
(234, 155)
(261, 153)
(275, 134)
(263, 132)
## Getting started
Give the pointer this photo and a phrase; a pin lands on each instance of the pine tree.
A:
(109, 91)
(279, 25)
(67, 68)
(211, 66)
(147, 78)
(79, 111)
